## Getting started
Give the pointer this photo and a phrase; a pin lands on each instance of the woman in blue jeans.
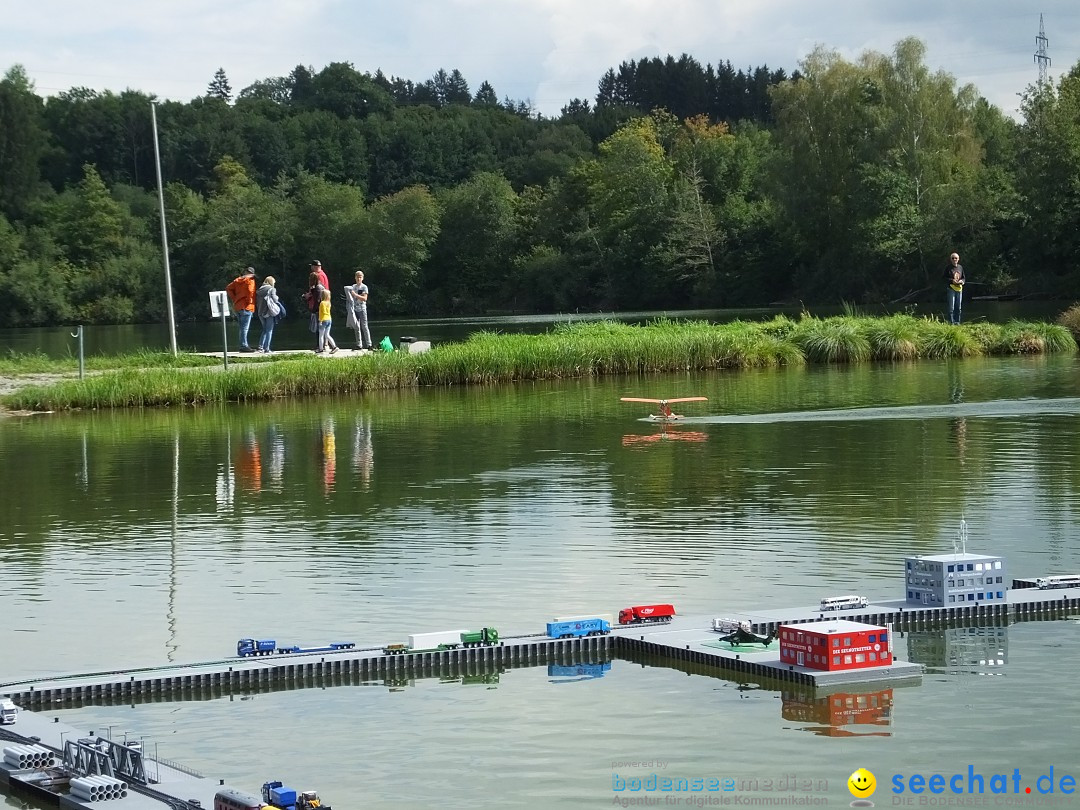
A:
(268, 307)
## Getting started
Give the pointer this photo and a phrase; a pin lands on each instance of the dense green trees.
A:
(880, 158)
(680, 185)
(1049, 151)
(22, 141)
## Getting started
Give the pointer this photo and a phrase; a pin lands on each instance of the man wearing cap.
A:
(316, 267)
(241, 292)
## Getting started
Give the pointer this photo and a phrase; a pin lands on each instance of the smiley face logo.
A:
(862, 784)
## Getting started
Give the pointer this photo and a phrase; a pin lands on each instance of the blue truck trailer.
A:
(579, 627)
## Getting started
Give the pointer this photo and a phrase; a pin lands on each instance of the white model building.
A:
(960, 578)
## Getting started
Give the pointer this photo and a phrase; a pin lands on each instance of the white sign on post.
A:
(219, 304)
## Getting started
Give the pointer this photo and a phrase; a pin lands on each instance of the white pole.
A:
(164, 234)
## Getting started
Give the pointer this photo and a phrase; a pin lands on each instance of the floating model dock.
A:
(156, 782)
(686, 643)
(685, 639)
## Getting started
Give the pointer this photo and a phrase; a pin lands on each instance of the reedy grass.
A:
(832, 340)
(1070, 319)
(1036, 338)
(893, 338)
(568, 350)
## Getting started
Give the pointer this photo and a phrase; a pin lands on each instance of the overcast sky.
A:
(546, 51)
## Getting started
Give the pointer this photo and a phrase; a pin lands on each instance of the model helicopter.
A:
(664, 413)
(738, 633)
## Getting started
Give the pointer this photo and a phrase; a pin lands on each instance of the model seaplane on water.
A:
(663, 413)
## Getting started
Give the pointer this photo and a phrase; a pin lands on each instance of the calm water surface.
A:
(292, 333)
(132, 539)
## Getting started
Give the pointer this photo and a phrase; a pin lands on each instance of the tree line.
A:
(678, 186)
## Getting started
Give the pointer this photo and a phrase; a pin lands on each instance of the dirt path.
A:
(9, 385)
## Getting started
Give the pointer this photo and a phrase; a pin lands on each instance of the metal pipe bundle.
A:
(28, 756)
(95, 788)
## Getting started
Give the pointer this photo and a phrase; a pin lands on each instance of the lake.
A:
(138, 538)
(292, 333)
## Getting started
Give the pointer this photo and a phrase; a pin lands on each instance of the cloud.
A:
(548, 51)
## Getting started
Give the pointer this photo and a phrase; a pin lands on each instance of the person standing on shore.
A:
(313, 297)
(325, 341)
(954, 277)
(316, 267)
(241, 291)
(358, 297)
(268, 308)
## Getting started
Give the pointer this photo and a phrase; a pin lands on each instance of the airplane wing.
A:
(677, 399)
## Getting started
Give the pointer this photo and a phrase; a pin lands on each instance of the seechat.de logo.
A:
(862, 785)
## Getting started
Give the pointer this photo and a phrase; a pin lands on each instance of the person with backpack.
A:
(241, 292)
(313, 297)
(268, 307)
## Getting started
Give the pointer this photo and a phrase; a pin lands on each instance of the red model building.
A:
(835, 644)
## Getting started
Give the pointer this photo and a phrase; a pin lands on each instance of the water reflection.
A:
(249, 461)
(363, 451)
(225, 480)
(666, 434)
(961, 650)
(328, 448)
(832, 715)
(957, 425)
(572, 673)
(275, 441)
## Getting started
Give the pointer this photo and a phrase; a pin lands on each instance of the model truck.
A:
(252, 646)
(266, 646)
(9, 712)
(278, 795)
(646, 614)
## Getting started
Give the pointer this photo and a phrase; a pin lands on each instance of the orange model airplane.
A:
(664, 413)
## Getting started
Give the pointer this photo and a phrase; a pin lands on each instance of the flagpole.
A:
(164, 234)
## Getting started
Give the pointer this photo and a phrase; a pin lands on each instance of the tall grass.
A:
(832, 340)
(568, 350)
(1070, 319)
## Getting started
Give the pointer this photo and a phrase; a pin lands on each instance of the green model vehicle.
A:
(488, 637)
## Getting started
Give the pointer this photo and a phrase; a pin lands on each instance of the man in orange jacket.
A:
(241, 292)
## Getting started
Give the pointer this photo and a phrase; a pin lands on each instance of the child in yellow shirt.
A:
(324, 325)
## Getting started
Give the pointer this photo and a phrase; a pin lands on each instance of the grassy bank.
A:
(40, 363)
(573, 350)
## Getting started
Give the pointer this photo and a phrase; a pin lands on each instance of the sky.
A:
(547, 52)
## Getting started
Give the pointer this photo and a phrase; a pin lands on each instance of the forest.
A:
(680, 185)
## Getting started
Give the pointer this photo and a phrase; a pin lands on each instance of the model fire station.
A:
(833, 645)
